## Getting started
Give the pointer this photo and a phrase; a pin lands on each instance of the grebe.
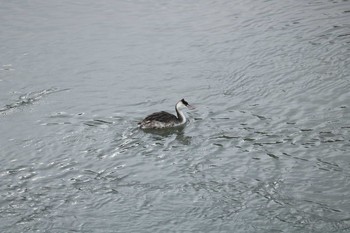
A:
(163, 119)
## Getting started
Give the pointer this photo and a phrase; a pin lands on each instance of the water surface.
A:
(266, 150)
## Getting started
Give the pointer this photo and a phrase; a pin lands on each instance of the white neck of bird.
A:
(180, 115)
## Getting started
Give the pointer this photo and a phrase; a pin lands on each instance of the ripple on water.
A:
(266, 150)
(29, 98)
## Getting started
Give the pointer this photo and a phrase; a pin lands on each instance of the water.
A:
(266, 150)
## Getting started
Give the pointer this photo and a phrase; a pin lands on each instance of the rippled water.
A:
(266, 150)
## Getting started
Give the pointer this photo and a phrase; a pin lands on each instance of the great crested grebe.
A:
(163, 119)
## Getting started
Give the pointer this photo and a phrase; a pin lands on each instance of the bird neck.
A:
(180, 115)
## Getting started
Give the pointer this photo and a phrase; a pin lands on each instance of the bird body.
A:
(164, 119)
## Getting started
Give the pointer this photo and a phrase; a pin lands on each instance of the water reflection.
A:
(178, 132)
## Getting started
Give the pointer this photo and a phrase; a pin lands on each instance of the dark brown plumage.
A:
(162, 117)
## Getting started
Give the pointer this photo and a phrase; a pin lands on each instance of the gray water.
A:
(266, 150)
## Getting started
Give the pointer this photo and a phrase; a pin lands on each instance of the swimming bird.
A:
(163, 119)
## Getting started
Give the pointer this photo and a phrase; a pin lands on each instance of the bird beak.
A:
(190, 107)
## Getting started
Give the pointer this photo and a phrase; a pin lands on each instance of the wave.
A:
(29, 98)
